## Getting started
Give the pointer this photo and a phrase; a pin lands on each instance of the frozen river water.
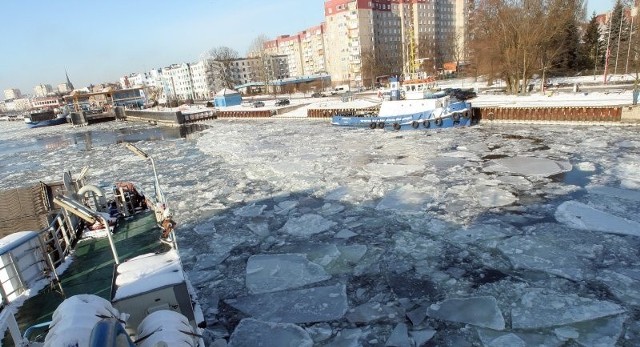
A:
(302, 234)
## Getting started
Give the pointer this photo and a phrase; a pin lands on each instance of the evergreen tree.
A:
(590, 48)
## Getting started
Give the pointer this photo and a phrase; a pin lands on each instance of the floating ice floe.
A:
(627, 171)
(347, 338)
(406, 199)
(307, 225)
(249, 210)
(420, 337)
(372, 311)
(392, 170)
(577, 215)
(494, 197)
(528, 166)
(493, 338)
(527, 252)
(624, 283)
(480, 311)
(274, 272)
(540, 308)
(319, 304)
(586, 166)
(399, 336)
(626, 194)
(253, 332)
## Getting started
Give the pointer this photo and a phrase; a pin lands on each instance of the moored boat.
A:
(413, 114)
(431, 110)
(42, 118)
(69, 290)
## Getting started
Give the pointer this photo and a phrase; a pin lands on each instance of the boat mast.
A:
(408, 40)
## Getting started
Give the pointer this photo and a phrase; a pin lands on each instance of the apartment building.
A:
(12, 93)
(63, 88)
(305, 51)
(259, 69)
(42, 90)
(392, 36)
(312, 49)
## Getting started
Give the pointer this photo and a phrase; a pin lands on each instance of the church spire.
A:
(69, 84)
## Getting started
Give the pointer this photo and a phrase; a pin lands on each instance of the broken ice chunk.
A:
(405, 199)
(494, 197)
(307, 225)
(492, 338)
(252, 332)
(623, 283)
(249, 211)
(535, 253)
(392, 170)
(420, 337)
(370, 312)
(539, 308)
(273, 272)
(399, 337)
(580, 216)
(482, 311)
(319, 304)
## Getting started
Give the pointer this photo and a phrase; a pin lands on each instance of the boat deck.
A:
(92, 267)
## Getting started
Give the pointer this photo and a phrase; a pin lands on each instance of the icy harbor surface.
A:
(296, 233)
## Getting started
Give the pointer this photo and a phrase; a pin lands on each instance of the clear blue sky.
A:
(599, 6)
(100, 41)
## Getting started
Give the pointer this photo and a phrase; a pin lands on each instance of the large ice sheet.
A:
(480, 311)
(625, 194)
(274, 272)
(536, 253)
(493, 338)
(318, 304)
(528, 166)
(539, 308)
(580, 216)
(253, 332)
(624, 283)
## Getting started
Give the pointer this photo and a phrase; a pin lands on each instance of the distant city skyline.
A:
(99, 42)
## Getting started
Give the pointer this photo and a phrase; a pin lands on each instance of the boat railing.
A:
(54, 245)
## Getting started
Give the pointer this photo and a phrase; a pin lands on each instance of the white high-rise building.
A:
(42, 90)
(12, 93)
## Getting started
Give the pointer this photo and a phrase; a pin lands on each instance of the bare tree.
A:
(219, 60)
(264, 71)
(514, 39)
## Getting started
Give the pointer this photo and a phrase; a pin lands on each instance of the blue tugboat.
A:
(44, 118)
(427, 113)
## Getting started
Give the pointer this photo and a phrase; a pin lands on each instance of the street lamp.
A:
(137, 151)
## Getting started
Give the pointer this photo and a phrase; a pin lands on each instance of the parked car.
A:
(258, 104)
(461, 94)
(317, 95)
(282, 102)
